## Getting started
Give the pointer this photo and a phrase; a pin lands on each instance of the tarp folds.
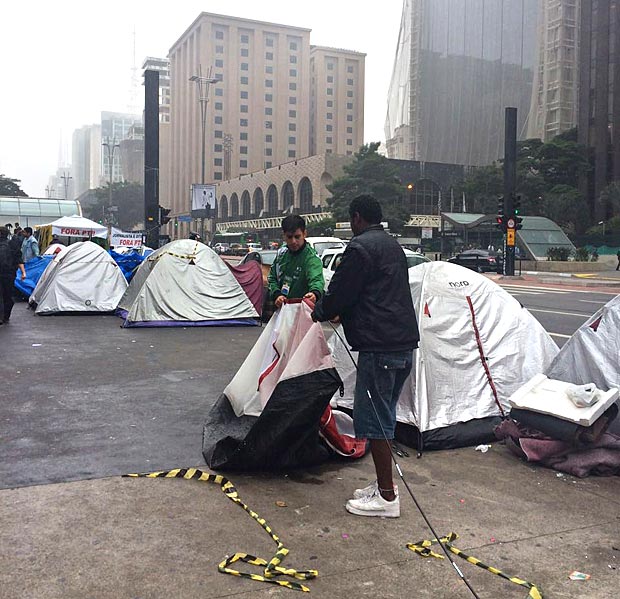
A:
(81, 278)
(34, 269)
(185, 283)
(268, 417)
(477, 346)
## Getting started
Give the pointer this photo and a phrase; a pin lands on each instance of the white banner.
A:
(125, 239)
(427, 232)
(203, 197)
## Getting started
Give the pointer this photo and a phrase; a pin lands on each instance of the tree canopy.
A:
(129, 200)
(11, 187)
(373, 174)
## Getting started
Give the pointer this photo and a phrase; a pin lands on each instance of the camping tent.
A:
(185, 283)
(477, 346)
(268, 416)
(81, 278)
(592, 354)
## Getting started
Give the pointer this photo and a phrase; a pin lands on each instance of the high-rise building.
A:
(162, 65)
(115, 127)
(599, 97)
(554, 97)
(86, 158)
(337, 100)
(458, 65)
(262, 107)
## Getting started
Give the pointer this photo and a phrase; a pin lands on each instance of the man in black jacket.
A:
(10, 259)
(370, 294)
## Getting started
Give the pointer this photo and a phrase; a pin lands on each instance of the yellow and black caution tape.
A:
(423, 548)
(189, 257)
(272, 568)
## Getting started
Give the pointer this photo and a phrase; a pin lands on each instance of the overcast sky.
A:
(66, 61)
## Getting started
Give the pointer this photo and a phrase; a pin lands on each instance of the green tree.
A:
(129, 200)
(10, 187)
(372, 174)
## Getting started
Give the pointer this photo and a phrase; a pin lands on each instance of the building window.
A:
(269, 70)
(268, 55)
(328, 128)
(219, 49)
(217, 161)
(328, 151)
(292, 140)
(219, 76)
(293, 59)
(219, 35)
(292, 72)
(244, 66)
(268, 138)
(350, 118)
(328, 140)
(243, 149)
(243, 122)
(292, 114)
(349, 153)
(330, 78)
(268, 97)
(292, 86)
(268, 125)
(349, 69)
(219, 63)
(245, 39)
(268, 82)
(245, 52)
(292, 127)
(330, 91)
(244, 80)
(268, 111)
(349, 81)
(243, 136)
(217, 176)
(349, 129)
(349, 105)
(292, 100)
(219, 106)
(268, 151)
(218, 120)
(349, 142)
(292, 46)
(267, 164)
(269, 42)
(244, 95)
(218, 134)
(243, 164)
(243, 108)
(217, 148)
(291, 153)
(329, 116)
(330, 103)
(350, 94)
(330, 66)
(219, 91)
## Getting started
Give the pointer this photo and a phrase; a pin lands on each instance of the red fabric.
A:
(250, 277)
(344, 444)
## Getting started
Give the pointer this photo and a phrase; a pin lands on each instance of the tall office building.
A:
(337, 100)
(599, 97)
(115, 127)
(86, 158)
(458, 65)
(554, 97)
(162, 65)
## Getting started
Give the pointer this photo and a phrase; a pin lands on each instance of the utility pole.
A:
(49, 191)
(65, 179)
(110, 148)
(152, 209)
(510, 184)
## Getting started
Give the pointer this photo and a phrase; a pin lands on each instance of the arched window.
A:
(234, 206)
(272, 200)
(245, 203)
(305, 195)
(288, 195)
(223, 207)
(258, 201)
(424, 197)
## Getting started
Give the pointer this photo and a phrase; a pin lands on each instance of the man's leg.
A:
(382, 457)
(7, 297)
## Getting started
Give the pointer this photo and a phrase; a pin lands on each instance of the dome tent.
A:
(185, 283)
(478, 345)
(81, 278)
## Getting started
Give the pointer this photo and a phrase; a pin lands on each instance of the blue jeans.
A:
(383, 374)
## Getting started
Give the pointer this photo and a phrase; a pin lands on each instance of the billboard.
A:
(204, 203)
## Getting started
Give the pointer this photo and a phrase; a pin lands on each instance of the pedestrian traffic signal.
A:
(518, 220)
(517, 204)
(501, 223)
(164, 219)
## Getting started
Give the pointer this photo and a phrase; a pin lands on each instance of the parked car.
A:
(254, 247)
(320, 244)
(478, 260)
(331, 259)
(221, 248)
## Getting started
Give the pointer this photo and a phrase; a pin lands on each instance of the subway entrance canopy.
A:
(29, 212)
(534, 239)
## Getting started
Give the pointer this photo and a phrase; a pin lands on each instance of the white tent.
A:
(81, 278)
(477, 346)
(78, 226)
(185, 283)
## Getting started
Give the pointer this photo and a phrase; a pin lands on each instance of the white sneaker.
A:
(374, 505)
(370, 490)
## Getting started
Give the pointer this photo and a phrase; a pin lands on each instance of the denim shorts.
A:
(383, 374)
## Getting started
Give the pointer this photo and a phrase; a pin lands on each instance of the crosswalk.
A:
(537, 290)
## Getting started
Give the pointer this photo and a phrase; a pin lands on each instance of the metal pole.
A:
(510, 184)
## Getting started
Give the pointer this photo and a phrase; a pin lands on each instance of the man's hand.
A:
(310, 296)
(335, 320)
(279, 301)
(23, 276)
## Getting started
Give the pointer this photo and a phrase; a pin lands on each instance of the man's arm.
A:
(35, 248)
(314, 275)
(345, 286)
(272, 280)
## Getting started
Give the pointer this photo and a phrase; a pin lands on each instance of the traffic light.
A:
(164, 219)
(500, 205)
(517, 211)
(501, 223)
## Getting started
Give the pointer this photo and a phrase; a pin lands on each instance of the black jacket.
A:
(10, 258)
(370, 292)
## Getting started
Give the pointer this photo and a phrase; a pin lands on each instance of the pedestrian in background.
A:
(30, 245)
(618, 256)
(370, 294)
(10, 260)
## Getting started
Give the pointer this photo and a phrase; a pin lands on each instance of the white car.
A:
(331, 259)
(321, 244)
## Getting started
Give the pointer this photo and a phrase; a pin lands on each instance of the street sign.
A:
(510, 223)
(427, 232)
(184, 218)
(510, 237)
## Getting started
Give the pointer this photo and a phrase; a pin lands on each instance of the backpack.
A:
(7, 261)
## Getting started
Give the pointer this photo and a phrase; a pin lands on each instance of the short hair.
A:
(292, 222)
(367, 207)
(4, 232)
(28, 230)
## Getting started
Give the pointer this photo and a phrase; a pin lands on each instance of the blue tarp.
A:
(127, 262)
(34, 270)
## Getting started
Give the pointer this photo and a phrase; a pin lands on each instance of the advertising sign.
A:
(427, 232)
(203, 201)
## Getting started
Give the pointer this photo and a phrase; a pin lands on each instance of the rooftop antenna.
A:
(135, 83)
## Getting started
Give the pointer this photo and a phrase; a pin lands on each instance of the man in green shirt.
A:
(297, 271)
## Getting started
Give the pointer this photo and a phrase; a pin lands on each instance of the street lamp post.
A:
(49, 191)
(110, 147)
(65, 179)
(202, 85)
